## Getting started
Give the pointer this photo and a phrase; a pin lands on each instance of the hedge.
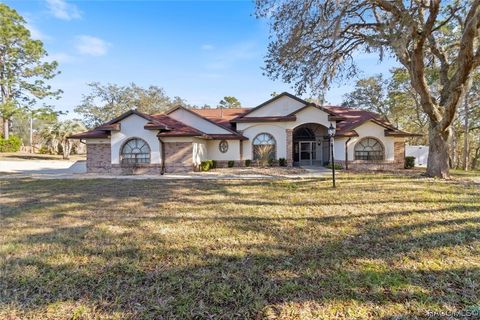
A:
(12, 144)
(409, 162)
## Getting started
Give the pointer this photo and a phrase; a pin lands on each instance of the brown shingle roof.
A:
(91, 134)
(356, 117)
(174, 127)
(221, 116)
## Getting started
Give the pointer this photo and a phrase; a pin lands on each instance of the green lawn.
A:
(379, 246)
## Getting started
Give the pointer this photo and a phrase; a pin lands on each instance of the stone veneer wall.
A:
(99, 158)
(178, 156)
(289, 133)
(130, 169)
(399, 153)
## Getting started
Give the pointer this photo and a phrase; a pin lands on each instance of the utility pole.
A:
(31, 132)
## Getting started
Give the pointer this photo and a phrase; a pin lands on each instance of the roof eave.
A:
(264, 119)
(389, 133)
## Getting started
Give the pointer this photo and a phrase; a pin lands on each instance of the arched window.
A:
(135, 151)
(369, 149)
(304, 134)
(264, 147)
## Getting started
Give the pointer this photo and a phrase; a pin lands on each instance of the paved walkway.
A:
(64, 169)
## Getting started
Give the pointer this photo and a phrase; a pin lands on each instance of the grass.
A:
(379, 246)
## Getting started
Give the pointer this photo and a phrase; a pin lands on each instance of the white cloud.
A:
(92, 46)
(34, 31)
(207, 47)
(60, 57)
(61, 9)
(223, 59)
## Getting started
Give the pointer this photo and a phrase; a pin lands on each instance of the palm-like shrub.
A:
(57, 136)
(264, 154)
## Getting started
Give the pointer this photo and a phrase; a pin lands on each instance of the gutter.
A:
(346, 152)
(162, 170)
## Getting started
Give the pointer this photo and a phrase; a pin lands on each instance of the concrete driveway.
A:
(43, 167)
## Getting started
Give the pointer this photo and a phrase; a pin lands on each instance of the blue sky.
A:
(200, 51)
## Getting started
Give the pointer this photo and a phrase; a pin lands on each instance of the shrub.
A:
(205, 165)
(282, 162)
(338, 166)
(12, 144)
(44, 150)
(231, 163)
(265, 154)
(248, 163)
(271, 162)
(409, 162)
(214, 164)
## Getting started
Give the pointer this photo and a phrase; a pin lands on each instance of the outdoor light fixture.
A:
(331, 134)
(331, 131)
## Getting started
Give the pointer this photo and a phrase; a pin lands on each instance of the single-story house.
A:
(283, 127)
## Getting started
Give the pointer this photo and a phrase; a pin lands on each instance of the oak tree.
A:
(315, 41)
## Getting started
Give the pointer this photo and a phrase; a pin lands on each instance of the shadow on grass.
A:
(232, 261)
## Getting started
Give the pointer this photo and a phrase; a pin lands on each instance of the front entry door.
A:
(307, 153)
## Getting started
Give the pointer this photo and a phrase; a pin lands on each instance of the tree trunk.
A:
(476, 155)
(437, 165)
(66, 150)
(6, 129)
(465, 136)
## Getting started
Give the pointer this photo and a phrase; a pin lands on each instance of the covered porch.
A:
(310, 145)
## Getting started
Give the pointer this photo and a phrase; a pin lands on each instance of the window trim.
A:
(220, 146)
(253, 145)
(123, 163)
(371, 160)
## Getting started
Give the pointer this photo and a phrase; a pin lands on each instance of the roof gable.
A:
(197, 121)
(280, 105)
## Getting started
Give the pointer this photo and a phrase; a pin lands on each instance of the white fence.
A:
(419, 152)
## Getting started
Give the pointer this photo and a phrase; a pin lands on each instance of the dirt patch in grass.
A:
(269, 171)
(378, 246)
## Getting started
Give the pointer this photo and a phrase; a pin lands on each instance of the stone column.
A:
(399, 153)
(289, 133)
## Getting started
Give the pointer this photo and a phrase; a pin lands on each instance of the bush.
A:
(44, 150)
(338, 166)
(214, 164)
(282, 162)
(205, 165)
(12, 144)
(248, 163)
(409, 162)
(271, 162)
(231, 163)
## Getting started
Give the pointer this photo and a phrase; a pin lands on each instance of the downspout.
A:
(346, 153)
(162, 170)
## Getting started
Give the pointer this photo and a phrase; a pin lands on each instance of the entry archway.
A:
(310, 148)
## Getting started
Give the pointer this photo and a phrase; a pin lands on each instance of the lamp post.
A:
(331, 134)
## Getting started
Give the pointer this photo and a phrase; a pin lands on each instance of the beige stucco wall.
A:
(233, 152)
(275, 129)
(278, 129)
(280, 107)
(132, 127)
(368, 129)
(199, 151)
